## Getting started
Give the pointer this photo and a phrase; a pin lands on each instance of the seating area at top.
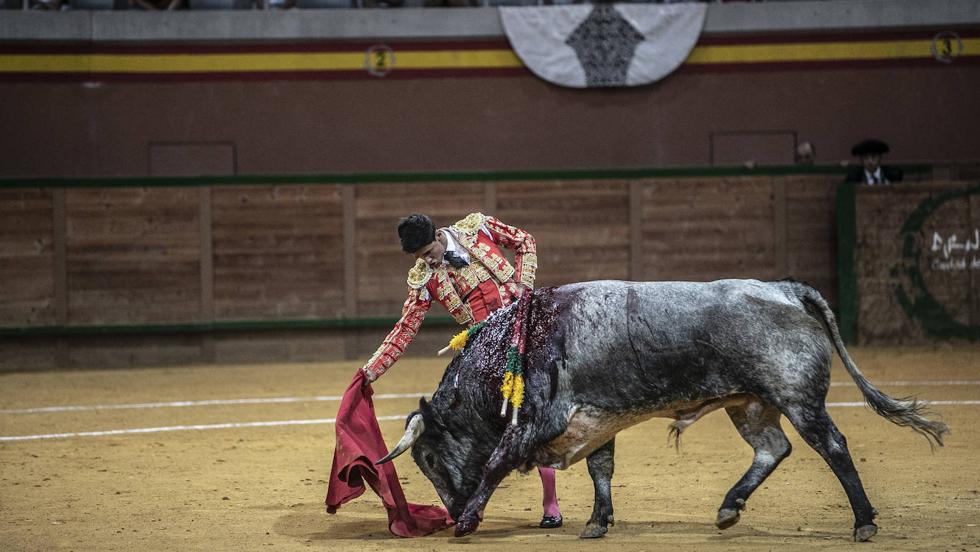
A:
(152, 5)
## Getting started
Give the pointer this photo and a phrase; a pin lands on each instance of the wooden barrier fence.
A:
(145, 271)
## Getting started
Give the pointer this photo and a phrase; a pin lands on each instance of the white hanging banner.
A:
(603, 45)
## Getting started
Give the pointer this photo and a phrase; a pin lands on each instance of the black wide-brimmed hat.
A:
(870, 147)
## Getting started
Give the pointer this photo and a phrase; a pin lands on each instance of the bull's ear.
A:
(424, 409)
(428, 413)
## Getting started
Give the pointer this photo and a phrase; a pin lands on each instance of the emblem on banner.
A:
(603, 45)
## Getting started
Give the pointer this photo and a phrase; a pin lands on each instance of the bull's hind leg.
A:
(601, 469)
(819, 431)
(758, 424)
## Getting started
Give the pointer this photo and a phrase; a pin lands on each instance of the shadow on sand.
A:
(318, 526)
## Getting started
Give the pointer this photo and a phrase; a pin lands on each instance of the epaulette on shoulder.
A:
(419, 274)
(471, 224)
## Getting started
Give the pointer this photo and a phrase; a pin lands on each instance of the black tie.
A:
(454, 260)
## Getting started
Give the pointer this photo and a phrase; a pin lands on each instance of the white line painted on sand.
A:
(209, 402)
(201, 427)
(909, 383)
(380, 396)
(927, 403)
(320, 421)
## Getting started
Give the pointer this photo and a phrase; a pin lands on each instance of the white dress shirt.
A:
(453, 246)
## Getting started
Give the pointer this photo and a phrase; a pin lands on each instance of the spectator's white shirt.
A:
(875, 177)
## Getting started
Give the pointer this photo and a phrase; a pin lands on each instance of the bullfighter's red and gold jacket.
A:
(469, 293)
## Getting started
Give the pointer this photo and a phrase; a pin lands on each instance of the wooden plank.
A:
(133, 255)
(707, 229)
(24, 354)
(207, 273)
(62, 356)
(811, 232)
(636, 231)
(973, 210)
(278, 252)
(207, 257)
(60, 259)
(780, 265)
(287, 346)
(27, 257)
(122, 351)
(582, 228)
(490, 198)
(349, 207)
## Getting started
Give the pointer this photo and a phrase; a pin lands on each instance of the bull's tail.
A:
(906, 412)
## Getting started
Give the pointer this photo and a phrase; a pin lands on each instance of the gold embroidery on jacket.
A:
(470, 224)
(419, 274)
(469, 277)
(529, 266)
(496, 264)
(449, 297)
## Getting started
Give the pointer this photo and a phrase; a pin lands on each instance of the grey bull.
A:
(603, 356)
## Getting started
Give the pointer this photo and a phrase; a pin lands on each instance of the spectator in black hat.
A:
(871, 171)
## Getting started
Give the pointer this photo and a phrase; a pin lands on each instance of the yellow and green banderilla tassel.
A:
(512, 387)
(459, 341)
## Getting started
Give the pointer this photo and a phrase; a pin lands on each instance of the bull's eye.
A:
(430, 460)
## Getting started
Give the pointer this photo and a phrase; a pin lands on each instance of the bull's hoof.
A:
(466, 525)
(865, 532)
(593, 531)
(726, 518)
(729, 516)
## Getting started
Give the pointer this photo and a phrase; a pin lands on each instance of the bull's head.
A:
(450, 458)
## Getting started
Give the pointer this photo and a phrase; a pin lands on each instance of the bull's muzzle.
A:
(413, 430)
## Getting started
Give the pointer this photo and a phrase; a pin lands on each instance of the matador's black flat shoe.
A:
(551, 522)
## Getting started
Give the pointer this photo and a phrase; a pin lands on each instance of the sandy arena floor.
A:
(245, 486)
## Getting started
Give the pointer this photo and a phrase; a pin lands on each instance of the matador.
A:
(464, 269)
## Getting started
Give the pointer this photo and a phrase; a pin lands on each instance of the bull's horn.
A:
(415, 428)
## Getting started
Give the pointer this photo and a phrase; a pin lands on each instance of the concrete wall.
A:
(737, 17)
(486, 122)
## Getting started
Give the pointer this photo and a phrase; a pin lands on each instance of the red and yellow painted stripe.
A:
(796, 51)
(20, 61)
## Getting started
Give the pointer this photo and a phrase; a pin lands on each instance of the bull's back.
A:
(644, 345)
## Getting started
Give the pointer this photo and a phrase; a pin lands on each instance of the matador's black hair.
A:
(415, 232)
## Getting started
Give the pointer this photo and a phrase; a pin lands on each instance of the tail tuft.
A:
(906, 412)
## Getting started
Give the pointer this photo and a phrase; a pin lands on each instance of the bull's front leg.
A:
(505, 459)
(601, 469)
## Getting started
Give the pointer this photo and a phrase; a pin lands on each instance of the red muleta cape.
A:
(359, 445)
